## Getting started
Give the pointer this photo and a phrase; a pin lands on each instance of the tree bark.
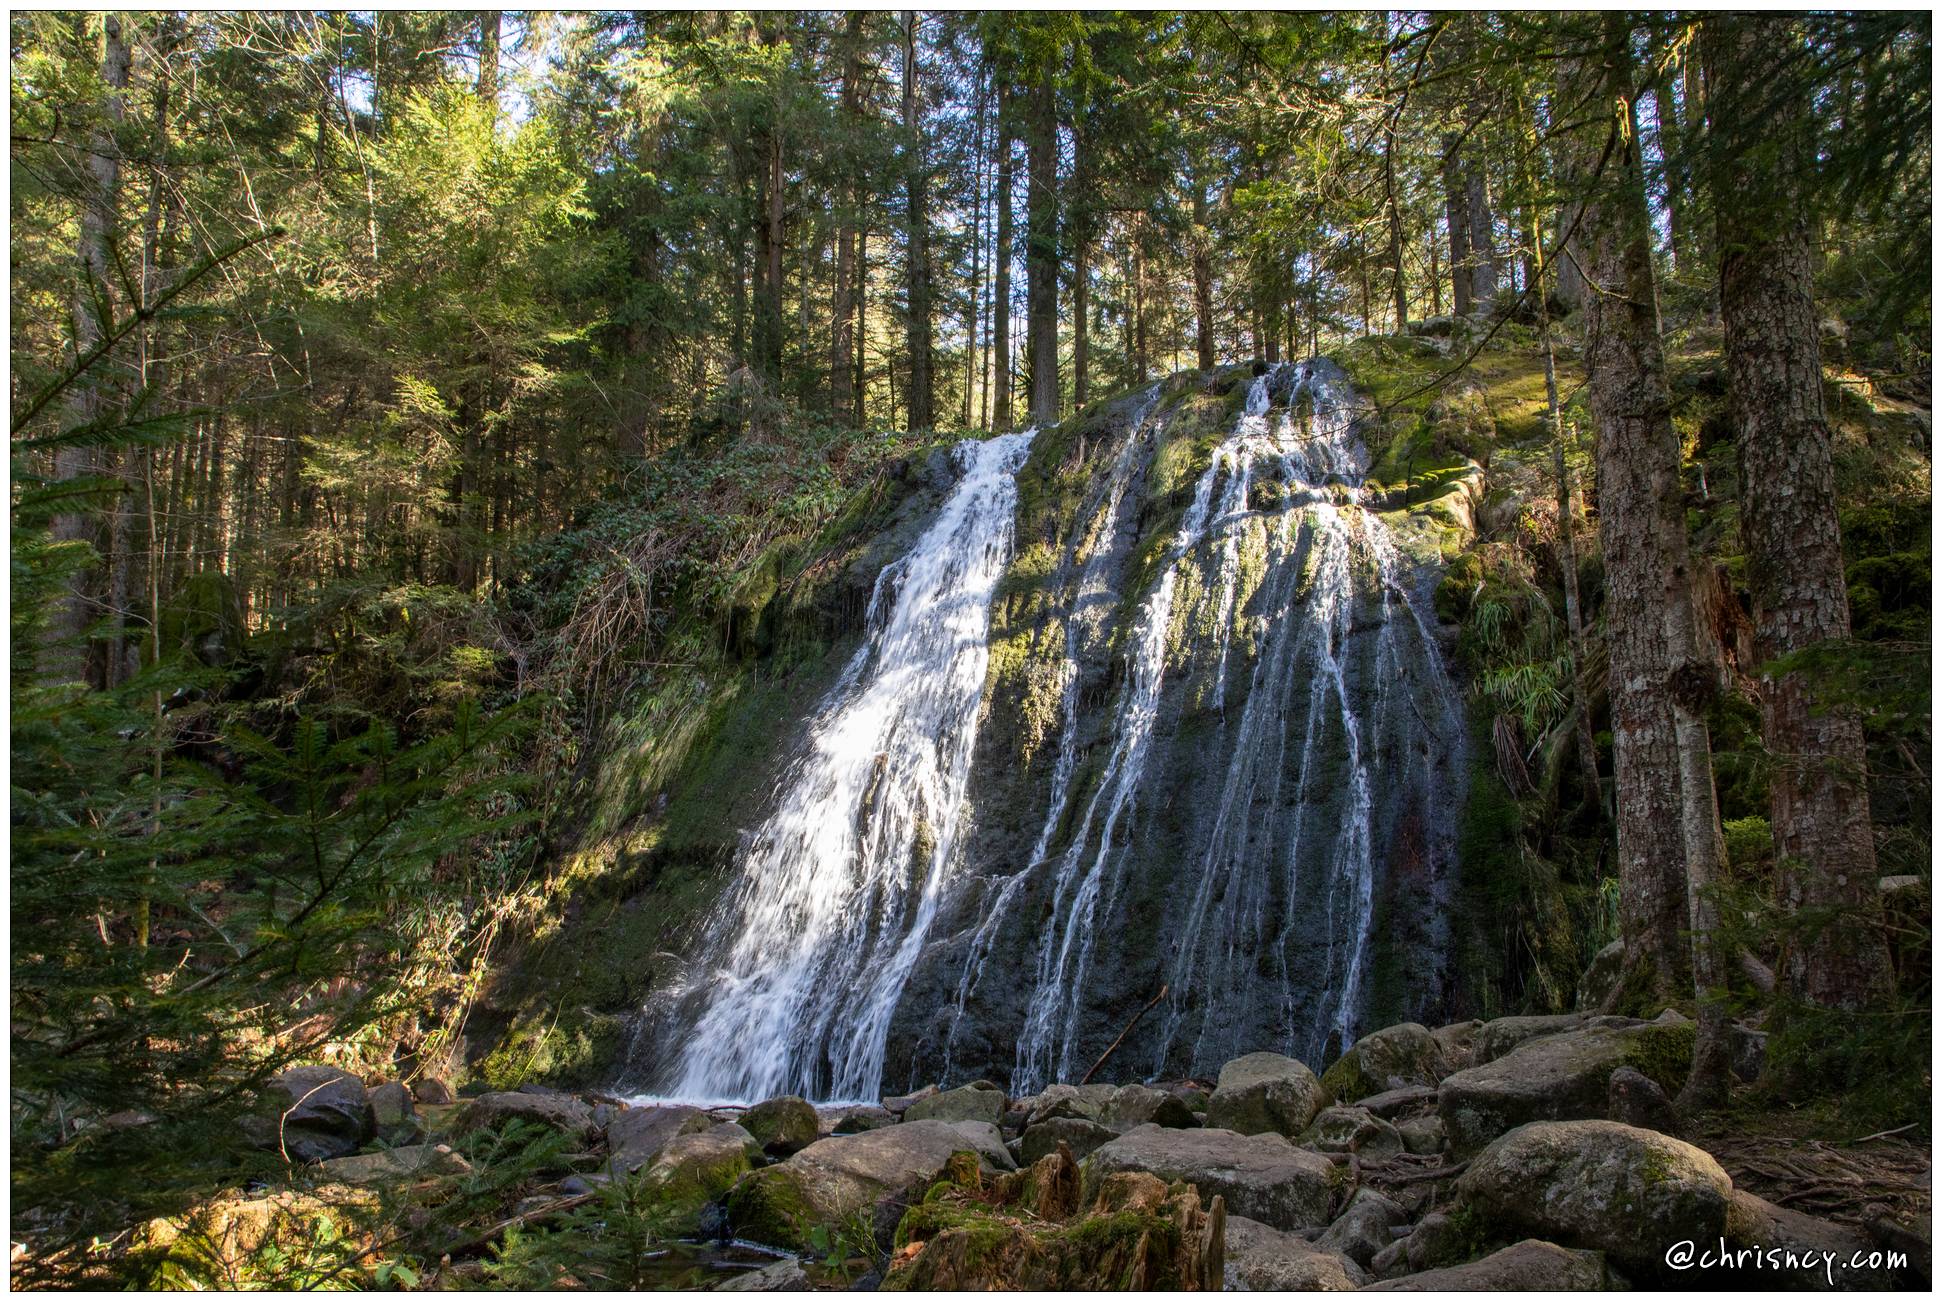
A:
(1042, 248)
(1483, 240)
(1203, 274)
(1649, 579)
(917, 275)
(1631, 411)
(1823, 838)
(1001, 273)
(488, 83)
(1456, 214)
(68, 656)
(842, 346)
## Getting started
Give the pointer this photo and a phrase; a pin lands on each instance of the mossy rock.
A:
(781, 1126)
(1558, 1077)
(1385, 1060)
(697, 1170)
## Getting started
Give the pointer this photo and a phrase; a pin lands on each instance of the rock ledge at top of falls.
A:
(1263, 1093)
(1264, 1176)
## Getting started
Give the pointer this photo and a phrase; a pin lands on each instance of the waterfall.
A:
(1094, 586)
(838, 888)
(1321, 746)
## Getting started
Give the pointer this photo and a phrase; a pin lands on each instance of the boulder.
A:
(697, 1168)
(1262, 1259)
(785, 1276)
(1635, 1098)
(1077, 1134)
(397, 1119)
(1628, 1192)
(1385, 1060)
(1352, 1130)
(1087, 1102)
(1813, 1253)
(966, 1103)
(637, 1136)
(1458, 1041)
(434, 1092)
(1599, 984)
(1135, 1105)
(562, 1112)
(782, 1126)
(836, 1178)
(1391, 1104)
(854, 1121)
(1264, 1177)
(313, 1113)
(1363, 1228)
(391, 1165)
(1437, 1240)
(1528, 1267)
(1422, 1134)
(900, 1103)
(1556, 1077)
(1498, 1037)
(987, 1141)
(1265, 1092)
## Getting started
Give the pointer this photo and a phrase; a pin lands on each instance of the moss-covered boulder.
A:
(1388, 1059)
(1261, 1176)
(1266, 1093)
(1602, 1185)
(1557, 1077)
(835, 1179)
(782, 1125)
(637, 1136)
(1027, 1231)
(697, 1169)
(1086, 1101)
(1499, 1036)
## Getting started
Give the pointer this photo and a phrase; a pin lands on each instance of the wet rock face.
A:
(1203, 650)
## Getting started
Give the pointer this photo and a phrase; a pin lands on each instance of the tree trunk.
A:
(1761, 177)
(1203, 273)
(862, 387)
(917, 282)
(1634, 450)
(1483, 241)
(770, 240)
(842, 344)
(488, 83)
(972, 366)
(1042, 249)
(1456, 214)
(1001, 273)
(68, 656)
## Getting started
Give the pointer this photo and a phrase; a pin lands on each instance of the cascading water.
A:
(839, 887)
(1288, 867)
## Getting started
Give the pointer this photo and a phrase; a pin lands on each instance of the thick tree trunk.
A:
(69, 656)
(842, 344)
(1001, 274)
(1632, 414)
(1649, 581)
(1042, 249)
(917, 276)
(1079, 228)
(1203, 273)
(1483, 241)
(1456, 215)
(487, 86)
(861, 388)
(1823, 839)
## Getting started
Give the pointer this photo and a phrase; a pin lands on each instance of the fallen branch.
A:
(1114, 1046)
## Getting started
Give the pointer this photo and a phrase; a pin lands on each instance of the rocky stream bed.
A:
(1521, 1153)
